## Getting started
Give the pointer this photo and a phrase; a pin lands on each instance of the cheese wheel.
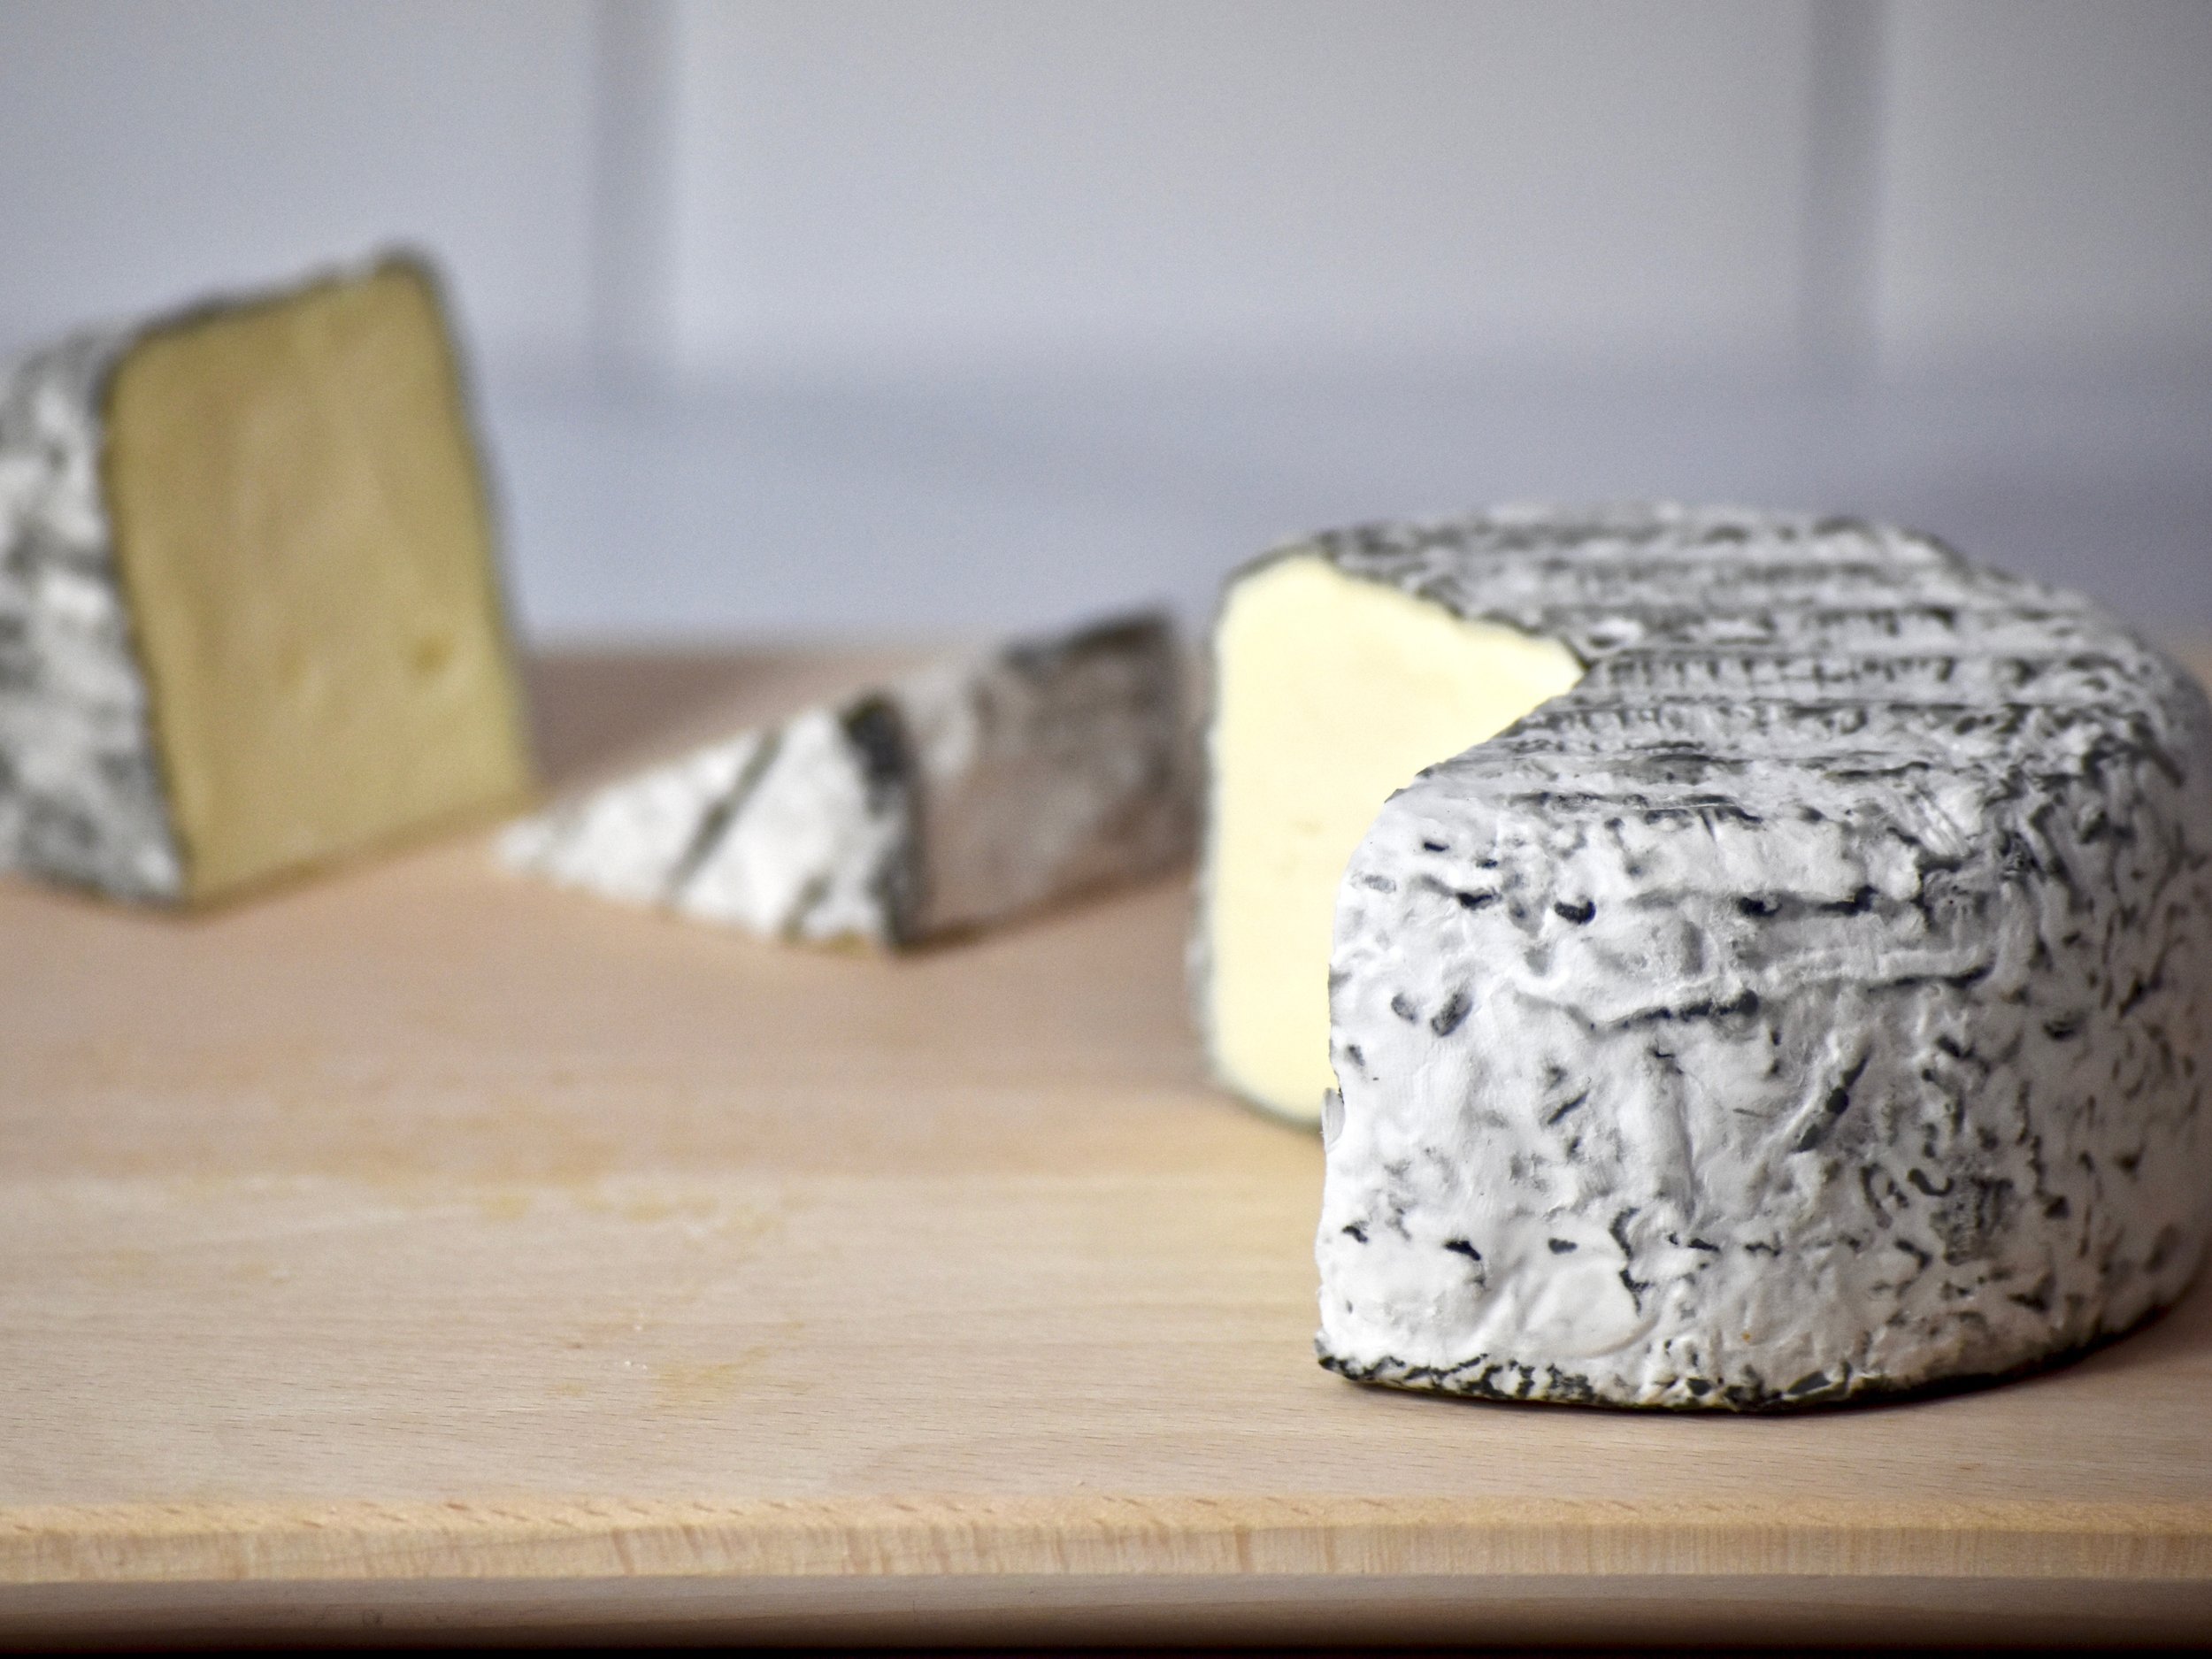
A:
(1811, 1000)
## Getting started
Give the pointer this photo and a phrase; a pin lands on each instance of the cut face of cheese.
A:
(1331, 692)
(307, 557)
(287, 633)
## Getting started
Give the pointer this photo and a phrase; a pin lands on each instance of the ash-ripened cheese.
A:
(249, 613)
(952, 799)
(1812, 1001)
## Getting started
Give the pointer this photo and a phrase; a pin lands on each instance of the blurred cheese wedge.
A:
(250, 613)
(945, 803)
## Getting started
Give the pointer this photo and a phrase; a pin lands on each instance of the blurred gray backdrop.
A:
(933, 317)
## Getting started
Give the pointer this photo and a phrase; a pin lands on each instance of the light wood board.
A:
(426, 1249)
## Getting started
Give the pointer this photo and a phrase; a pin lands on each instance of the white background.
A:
(940, 316)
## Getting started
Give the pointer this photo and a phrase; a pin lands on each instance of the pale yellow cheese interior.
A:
(306, 553)
(1331, 693)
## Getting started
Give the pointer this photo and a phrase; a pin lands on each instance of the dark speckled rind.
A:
(1813, 1004)
(1512, 1386)
(81, 795)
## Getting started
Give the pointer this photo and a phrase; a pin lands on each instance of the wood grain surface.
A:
(422, 1249)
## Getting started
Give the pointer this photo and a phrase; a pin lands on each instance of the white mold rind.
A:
(81, 790)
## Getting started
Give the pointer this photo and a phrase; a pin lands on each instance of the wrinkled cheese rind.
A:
(956, 798)
(81, 787)
(1815, 1002)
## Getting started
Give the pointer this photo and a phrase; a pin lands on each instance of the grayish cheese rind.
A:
(953, 799)
(81, 791)
(1815, 1002)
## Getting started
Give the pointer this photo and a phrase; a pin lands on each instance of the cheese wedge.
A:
(249, 614)
(949, 800)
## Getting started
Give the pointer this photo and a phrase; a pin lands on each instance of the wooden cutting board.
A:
(426, 1251)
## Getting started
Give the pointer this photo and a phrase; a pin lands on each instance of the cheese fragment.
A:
(249, 617)
(954, 799)
(1330, 693)
(1814, 1001)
